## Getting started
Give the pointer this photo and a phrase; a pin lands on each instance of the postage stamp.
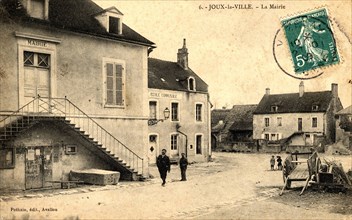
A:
(311, 40)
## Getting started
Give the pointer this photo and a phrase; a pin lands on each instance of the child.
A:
(279, 164)
(272, 162)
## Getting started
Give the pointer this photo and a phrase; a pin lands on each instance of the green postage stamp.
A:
(311, 41)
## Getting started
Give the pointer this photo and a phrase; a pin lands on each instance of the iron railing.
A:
(62, 107)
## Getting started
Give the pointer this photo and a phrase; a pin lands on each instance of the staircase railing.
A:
(62, 107)
(7, 121)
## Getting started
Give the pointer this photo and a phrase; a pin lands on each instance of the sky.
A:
(232, 49)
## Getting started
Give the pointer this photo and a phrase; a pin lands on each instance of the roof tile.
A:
(292, 103)
(78, 16)
(171, 76)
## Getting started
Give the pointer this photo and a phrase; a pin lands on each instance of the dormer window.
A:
(191, 84)
(315, 107)
(274, 108)
(114, 25)
(37, 8)
(111, 20)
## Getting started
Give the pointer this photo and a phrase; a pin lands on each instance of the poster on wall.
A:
(30, 154)
(208, 109)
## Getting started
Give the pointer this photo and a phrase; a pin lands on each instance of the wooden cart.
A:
(300, 167)
(308, 167)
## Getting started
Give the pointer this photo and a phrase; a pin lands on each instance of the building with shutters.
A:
(296, 121)
(179, 110)
(73, 92)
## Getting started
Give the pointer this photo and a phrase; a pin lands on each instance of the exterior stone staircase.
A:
(63, 111)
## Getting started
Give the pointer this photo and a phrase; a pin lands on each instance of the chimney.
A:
(301, 89)
(334, 90)
(182, 56)
(267, 91)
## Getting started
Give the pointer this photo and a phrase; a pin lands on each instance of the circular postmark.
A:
(305, 45)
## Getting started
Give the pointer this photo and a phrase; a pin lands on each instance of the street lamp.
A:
(155, 121)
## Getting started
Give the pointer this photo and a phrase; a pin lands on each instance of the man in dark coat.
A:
(163, 163)
(183, 166)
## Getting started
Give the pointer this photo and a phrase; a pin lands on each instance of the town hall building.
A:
(73, 93)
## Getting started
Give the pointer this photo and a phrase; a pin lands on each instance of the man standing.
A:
(183, 166)
(163, 163)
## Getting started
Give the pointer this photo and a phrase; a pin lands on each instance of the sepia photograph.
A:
(175, 109)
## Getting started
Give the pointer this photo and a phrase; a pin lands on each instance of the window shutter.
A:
(109, 84)
(119, 85)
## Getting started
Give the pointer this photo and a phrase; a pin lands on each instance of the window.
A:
(267, 122)
(152, 138)
(198, 112)
(266, 136)
(152, 110)
(300, 124)
(174, 111)
(71, 149)
(198, 144)
(115, 86)
(279, 121)
(274, 137)
(28, 58)
(37, 9)
(315, 107)
(314, 122)
(174, 142)
(274, 108)
(7, 158)
(43, 60)
(36, 59)
(191, 84)
(114, 25)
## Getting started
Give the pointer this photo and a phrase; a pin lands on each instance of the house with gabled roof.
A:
(179, 107)
(218, 117)
(73, 92)
(236, 130)
(344, 127)
(296, 121)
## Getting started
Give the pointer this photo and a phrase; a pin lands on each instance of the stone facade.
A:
(187, 128)
(296, 121)
(70, 55)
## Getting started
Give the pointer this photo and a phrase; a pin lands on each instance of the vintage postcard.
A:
(130, 109)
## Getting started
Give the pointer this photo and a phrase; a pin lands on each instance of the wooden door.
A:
(174, 145)
(36, 77)
(38, 167)
(34, 173)
(153, 148)
(47, 166)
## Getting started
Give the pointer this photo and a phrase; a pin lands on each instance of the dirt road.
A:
(234, 186)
